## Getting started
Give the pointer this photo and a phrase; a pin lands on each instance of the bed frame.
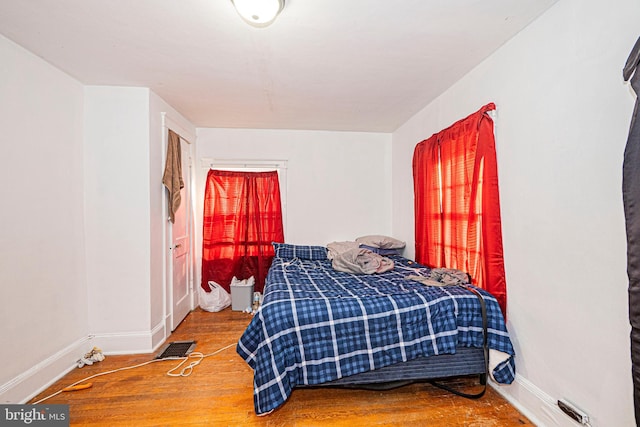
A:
(466, 362)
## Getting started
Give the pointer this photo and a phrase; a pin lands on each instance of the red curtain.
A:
(457, 205)
(242, 217)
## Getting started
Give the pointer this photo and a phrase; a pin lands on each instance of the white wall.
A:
(117, 216)
(563, 118)
(125, 216)
(43, 319)
(338, 186)
(82, 255)
(157, 215)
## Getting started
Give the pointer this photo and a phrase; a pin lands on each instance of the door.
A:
(180, 287)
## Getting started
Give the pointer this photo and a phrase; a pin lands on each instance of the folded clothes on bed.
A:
(349, 257)
(442, 277)
(336, 248)
(361, 261)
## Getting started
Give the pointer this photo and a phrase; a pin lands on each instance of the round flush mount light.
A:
(258, 13)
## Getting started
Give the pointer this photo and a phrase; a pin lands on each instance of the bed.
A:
(318, 326)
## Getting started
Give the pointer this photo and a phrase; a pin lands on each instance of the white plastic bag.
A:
(216, 300)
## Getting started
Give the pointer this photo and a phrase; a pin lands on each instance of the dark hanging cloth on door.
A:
(631, 200)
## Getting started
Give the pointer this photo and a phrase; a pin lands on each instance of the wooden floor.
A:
(219, 392)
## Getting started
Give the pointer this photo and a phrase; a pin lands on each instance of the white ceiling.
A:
(354, 65)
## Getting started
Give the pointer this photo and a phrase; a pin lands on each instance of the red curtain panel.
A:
(457, 205)
(242, 217)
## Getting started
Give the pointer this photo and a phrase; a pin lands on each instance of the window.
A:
(457, 205)
(242, 217)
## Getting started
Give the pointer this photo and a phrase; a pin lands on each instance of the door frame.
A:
(188, 137)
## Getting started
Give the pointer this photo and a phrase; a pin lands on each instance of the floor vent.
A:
(176, 349)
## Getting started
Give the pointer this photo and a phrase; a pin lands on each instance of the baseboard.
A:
(25, 386)
(140, 342)
(539, 407)
(36, 379)
(159, 335)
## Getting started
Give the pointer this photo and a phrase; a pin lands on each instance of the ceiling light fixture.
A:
(258, 13)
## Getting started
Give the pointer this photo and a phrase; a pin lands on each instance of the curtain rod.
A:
(243, 163)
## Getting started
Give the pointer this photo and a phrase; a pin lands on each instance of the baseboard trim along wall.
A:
(25, 386)
(159, 335)
(31, 382)
(540, 408)
(130, 342)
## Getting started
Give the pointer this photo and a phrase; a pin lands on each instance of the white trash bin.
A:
(242, 294)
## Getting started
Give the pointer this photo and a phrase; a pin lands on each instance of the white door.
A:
(180, 286)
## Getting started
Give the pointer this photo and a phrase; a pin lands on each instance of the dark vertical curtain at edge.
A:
(631, 201)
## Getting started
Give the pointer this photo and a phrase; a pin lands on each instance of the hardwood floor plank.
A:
(219, 392)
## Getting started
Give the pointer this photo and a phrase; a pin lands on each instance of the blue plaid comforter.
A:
(317, 324)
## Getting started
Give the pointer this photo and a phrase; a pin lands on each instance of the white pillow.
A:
(382, 242)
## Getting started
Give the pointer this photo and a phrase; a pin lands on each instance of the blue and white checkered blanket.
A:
(317, 324)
